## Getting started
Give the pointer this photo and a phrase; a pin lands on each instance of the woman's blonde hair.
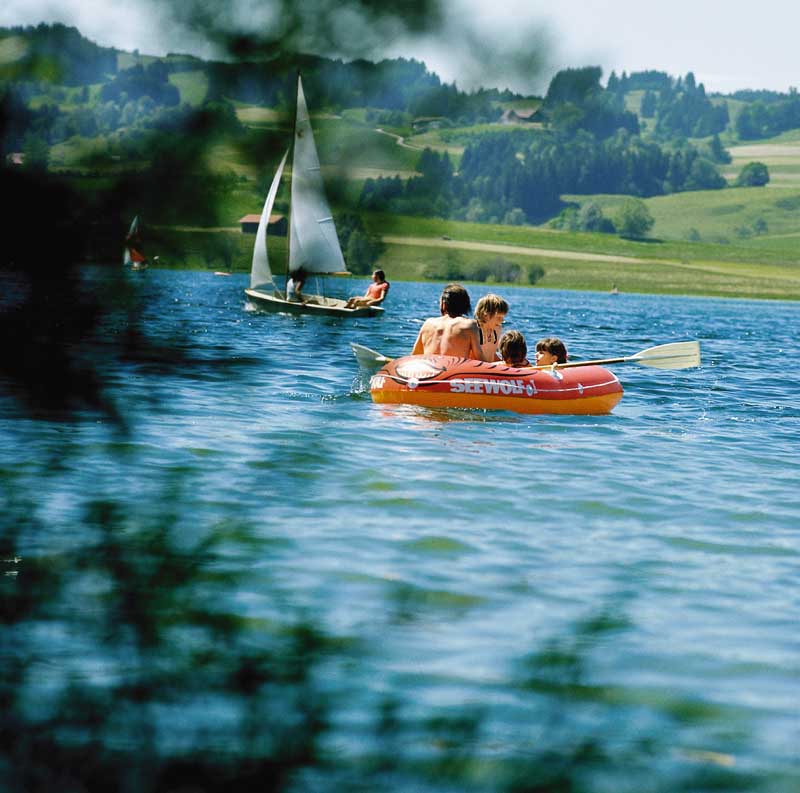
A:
(489, 305)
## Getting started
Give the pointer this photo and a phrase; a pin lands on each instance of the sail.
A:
(314, 244)
(132, 232)
(260, 272)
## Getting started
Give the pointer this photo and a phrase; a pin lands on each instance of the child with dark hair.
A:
(514, 349)
(550, 350)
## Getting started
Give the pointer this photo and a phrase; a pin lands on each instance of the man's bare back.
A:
(449, 336)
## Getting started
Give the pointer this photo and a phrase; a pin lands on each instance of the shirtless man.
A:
(452, 333)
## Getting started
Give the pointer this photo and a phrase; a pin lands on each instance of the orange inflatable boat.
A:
(444, 381)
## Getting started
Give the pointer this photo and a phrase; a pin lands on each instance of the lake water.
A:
(454, 544)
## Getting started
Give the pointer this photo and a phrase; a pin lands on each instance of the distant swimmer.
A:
(452, 333)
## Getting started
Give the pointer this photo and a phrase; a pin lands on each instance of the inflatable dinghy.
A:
(439, 381)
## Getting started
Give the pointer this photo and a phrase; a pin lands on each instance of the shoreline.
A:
(491, 285)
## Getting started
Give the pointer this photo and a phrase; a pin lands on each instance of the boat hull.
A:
(447, 382)
(317, 305)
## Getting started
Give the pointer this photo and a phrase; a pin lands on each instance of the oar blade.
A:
(677, 355)
(367, 358)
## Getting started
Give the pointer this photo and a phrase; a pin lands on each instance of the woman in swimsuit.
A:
(490, 313)
(375, 294)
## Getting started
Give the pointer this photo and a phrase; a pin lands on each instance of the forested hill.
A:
(143, 121)
(61, 55)
(54, 53)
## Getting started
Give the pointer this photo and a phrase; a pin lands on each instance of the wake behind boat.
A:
(313, 242)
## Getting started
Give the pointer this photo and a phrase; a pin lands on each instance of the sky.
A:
(512, 43)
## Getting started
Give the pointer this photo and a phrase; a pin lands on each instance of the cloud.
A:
(461, 40)
(447, 34)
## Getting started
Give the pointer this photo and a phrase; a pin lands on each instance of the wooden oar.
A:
(367, 358)
(677, 355)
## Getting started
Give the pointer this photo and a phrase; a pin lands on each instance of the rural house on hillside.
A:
(277, 224)
(520, 116)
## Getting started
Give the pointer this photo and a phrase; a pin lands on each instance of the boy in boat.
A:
(375, 294)
(549, 351)
(452, 333)
(513, 349)
(490, 314)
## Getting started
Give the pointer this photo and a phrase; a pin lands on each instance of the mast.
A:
(289, 217)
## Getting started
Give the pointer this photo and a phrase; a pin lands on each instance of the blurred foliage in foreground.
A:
(124, 668)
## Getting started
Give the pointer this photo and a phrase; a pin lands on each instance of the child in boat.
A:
(490, 314)
(375, 294)
(550, 350)
(514, 349)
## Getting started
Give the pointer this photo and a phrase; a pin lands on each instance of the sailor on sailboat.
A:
(313, 243)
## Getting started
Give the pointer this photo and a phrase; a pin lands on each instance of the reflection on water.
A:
(261, 579)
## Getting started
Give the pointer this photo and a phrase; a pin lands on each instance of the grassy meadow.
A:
(193, 86)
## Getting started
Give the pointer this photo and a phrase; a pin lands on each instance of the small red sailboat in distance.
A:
(134, 254)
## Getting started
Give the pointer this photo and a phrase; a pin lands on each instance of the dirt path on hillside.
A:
(721, 267)
(399, 139)
(523, 250)
(765, 150)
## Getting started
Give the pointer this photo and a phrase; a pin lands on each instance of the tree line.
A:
(763, 119)
(520, 176)
(679, 107)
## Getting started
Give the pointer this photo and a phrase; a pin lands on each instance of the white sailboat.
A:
(313, 242)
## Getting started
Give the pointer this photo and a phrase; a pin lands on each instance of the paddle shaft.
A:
(600, 362)
(676, 355)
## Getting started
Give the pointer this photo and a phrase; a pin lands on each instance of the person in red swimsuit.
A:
(375, 294)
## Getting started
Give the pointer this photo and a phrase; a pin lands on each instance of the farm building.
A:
(519, 116)
(277, 224)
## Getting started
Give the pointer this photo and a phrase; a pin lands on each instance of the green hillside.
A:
(193, 86)
(719, 216)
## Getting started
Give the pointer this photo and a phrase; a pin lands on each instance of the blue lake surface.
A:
(456, 542)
